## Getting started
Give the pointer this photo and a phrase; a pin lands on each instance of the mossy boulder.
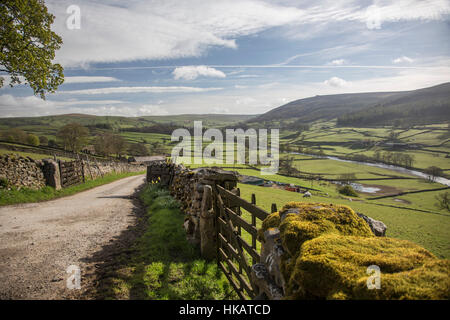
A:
(328, 249)
(299, 222)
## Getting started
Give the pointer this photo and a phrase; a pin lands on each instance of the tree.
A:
(347, 190)
(393, 136)
(33, 140)
(433, 172)
(119, 144)
(15, 135)
(52, 143)
(157, 148)
(28, 46)
(108, 143)
(138, 149)
(287, 166)
(43, 141)
(73, 136)
(443, 201)
(347, 178)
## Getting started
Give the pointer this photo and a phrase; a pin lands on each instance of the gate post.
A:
(52, 173)
(208, 242)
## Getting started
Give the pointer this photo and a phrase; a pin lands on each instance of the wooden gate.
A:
(237, 242)
(71, 172)
(160, 173)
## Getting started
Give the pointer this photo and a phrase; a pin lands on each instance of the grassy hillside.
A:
(114, 122)
(323, 107)
(428, 145)
(143, 130)
(423, 106)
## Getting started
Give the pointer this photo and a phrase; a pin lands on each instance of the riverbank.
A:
(413, 171)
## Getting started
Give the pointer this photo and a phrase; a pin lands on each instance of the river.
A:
(416, 173)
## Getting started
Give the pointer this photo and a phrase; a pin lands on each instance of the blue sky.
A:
(162, 57)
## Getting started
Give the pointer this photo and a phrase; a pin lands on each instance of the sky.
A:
(165, 57)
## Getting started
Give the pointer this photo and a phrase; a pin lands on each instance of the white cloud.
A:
(11, 106)
(167, 29)
(336, 82)
(88, 102)
(193, 72)
(403, 59)
(10, 102)
(161, 29)
(337, 62)
(323, 16)
(69, 80)
(225, 101)
(246, 76)
(139, 90)
(265, 100)
(127, 111)
(402, 10)
(244, 101)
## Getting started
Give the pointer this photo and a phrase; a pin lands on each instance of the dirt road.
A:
(38, 242)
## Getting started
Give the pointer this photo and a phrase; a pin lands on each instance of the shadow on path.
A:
(103, 264)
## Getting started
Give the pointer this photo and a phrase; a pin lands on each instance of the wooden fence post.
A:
(274, 208)
(82, 171)
(98, 167)
(60, 173)
(207, 229)
(89, 167)
(254, 224)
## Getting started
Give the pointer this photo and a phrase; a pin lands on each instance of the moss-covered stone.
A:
(313, 220)
(328, 251)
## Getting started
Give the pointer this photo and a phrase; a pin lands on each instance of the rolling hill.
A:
(118, 123)
(420, 106)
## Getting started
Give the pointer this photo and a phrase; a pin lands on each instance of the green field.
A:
(412, 216)
(430, 230)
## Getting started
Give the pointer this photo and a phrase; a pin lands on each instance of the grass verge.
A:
(24, 195)
(163, 264)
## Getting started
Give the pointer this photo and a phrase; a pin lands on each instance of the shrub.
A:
(32, 140)
(443, 201)
(159, 198)
(4, 183)
(43, 140)
(348, 190)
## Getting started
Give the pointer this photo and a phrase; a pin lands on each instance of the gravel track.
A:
(39, 241)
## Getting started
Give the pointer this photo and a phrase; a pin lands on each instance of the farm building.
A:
(251, 180)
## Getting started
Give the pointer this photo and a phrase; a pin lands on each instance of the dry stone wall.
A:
(24, 172)
(96, 169)
(19, 172)
(193, 188)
